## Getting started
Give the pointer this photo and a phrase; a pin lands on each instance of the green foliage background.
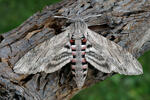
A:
(118, 87)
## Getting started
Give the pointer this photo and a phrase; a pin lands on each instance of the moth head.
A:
(78, 29)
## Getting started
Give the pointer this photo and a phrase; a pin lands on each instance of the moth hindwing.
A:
(80, 46)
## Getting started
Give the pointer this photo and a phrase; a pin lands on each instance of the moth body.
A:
(78, 45)
(78, 63)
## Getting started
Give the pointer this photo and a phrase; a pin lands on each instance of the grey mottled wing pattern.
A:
(108, 56)
(49, 56)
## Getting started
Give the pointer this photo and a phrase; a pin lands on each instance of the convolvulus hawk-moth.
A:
(80, 46)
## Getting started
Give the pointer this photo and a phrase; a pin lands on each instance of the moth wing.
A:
(107, 56)
(49, 56)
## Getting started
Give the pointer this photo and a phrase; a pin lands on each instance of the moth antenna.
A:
(88, 16)
(63, 17)
(78, 17)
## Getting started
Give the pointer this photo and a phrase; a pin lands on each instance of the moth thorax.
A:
(77, 36)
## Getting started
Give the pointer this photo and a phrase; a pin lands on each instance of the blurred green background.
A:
(118, 87)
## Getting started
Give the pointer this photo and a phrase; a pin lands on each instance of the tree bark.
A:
(125, 22)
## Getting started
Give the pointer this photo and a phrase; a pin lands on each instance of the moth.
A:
(79, 46)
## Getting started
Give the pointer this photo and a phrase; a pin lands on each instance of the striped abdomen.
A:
(78, 64)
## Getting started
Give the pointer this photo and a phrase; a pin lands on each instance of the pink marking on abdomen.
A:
(83, 46)
(73, 60)
(83, 53)
(83, 60)
(73, 47)
(84, 66)
(73, 53)
(72, 66)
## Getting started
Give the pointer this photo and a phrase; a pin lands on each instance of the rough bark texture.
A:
(125, 22)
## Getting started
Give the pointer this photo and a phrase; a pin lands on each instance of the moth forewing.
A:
(115, 58)
(49, 56)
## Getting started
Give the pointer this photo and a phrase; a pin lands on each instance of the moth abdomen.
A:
(78, 63)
